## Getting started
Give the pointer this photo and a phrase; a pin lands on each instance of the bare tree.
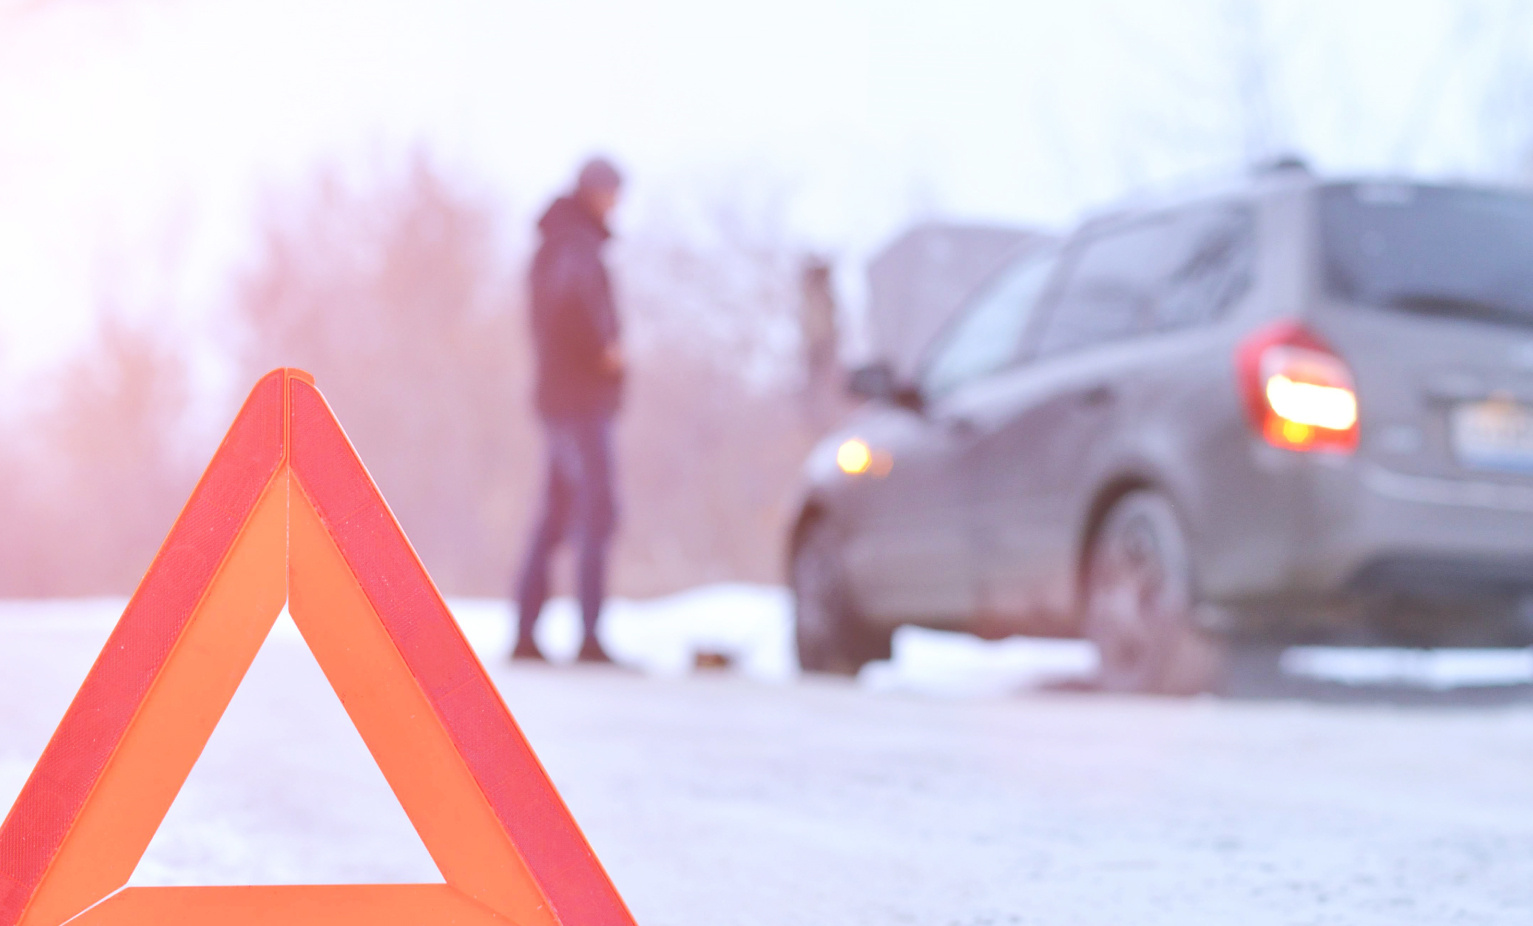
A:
(1252, 61)
(1205, 104)
(396, 297)
(104, 465)
(714, 435)
(1500, 35)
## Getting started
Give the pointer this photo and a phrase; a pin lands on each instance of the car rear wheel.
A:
(829, 635)
(1139, 600)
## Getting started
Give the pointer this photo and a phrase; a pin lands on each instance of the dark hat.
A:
(599, 174)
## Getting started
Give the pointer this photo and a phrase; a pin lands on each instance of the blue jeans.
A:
(579, 506)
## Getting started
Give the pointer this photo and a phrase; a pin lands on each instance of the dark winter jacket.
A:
(573, 318)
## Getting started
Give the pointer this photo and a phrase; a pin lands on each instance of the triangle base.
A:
(291, 905)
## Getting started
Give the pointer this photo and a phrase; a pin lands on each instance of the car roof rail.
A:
(1281, 164)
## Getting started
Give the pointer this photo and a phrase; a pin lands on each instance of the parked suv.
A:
(1296, 411)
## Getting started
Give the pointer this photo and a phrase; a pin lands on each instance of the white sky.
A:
(135, 136)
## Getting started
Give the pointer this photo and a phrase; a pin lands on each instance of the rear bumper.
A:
(1355, 551)
(1444, 578)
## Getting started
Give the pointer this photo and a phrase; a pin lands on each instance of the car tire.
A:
(830, 637)
(1139, 601)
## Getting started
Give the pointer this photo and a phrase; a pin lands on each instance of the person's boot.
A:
(527, 649)
(591, 651)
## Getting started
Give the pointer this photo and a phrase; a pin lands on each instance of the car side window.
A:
(1168, 271)
(1220, 247)
(1107, 290)
(988, 334)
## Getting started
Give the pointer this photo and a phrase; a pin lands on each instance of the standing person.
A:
(579, 383)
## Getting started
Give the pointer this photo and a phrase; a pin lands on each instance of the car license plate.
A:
(1494, 435)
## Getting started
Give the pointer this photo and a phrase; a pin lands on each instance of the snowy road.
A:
(929, 793)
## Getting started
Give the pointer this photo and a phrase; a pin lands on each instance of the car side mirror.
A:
(877, 382)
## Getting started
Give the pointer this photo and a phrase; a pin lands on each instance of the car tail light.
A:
(1299, 394)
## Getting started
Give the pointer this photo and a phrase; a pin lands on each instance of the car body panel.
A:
(907, 553)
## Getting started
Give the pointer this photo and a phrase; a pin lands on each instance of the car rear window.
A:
(1441, 251)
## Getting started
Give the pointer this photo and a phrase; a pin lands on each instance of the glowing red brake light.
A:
(1299, 394)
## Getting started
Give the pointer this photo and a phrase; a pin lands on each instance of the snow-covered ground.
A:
(753, 626)
(942, 787)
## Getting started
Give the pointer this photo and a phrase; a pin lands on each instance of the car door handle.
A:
(1101, 394)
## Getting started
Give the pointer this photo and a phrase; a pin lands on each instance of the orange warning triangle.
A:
(287, 513)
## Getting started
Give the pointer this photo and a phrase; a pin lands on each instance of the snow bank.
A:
(1438, 670)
